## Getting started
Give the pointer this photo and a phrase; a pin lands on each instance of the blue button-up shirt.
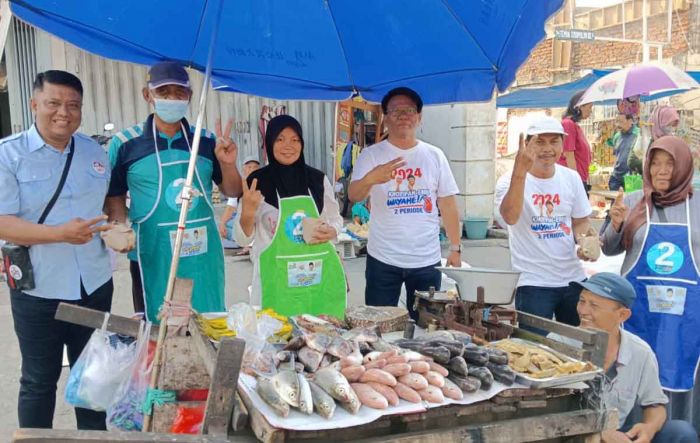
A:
(30, 171)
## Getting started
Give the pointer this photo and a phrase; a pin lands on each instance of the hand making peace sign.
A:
(226, 150)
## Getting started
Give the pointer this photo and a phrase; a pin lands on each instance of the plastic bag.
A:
(105, 362)
(188, 420)
(243, 319)
(125, 413)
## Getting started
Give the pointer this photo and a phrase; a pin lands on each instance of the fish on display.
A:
(286, 383)
(318, 341)
(334, 384)
(269, 394)
(306, 403)
(339, 347)
(324, 404)
(310, 358)
(295, 343)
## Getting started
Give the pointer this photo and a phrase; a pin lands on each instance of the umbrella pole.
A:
(186, 200)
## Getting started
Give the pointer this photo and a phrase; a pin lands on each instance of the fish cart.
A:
(505, 411)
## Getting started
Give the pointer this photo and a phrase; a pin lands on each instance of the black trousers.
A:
(41, 340)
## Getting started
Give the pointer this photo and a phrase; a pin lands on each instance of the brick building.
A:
(556, 61)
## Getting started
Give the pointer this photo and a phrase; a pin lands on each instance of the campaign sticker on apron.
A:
(194, 241)
(304, 273)
(173, 195)
(293, 228)
(665, 258)
(666, 299)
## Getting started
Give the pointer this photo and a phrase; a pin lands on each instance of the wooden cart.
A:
(515, 415)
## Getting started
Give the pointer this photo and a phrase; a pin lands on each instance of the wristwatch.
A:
(456, 248)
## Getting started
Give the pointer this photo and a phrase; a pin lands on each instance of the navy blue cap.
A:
(167, 73)
(609, 285)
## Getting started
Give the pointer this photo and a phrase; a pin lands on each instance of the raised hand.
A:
(251, 198)
(385, 172)
(525, 157)
(79, 231)
(226, 150)
(618, 211)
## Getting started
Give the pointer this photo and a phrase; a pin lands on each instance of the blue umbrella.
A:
(447, 50)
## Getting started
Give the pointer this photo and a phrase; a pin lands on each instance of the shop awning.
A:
(558, 96)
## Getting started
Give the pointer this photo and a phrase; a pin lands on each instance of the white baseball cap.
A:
(251, 158)
(544, 124)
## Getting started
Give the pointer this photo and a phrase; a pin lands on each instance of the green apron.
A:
(298, 278)
(201, 256)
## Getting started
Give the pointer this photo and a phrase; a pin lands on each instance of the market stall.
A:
(367, 377)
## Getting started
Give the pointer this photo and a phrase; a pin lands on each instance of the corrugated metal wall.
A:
(113, 94)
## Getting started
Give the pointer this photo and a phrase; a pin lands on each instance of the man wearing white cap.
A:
(546, 209)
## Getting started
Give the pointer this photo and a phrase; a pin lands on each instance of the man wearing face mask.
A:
(150, 161)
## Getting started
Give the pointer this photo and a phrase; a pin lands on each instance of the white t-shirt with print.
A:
(542, 245)
(404, 223)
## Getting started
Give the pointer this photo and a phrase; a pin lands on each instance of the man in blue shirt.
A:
(150, 161)
(70, 261)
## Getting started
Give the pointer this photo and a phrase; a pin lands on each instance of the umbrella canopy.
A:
(447, 50)
(638, 80)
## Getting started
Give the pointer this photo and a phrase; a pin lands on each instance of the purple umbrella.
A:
(638, 80)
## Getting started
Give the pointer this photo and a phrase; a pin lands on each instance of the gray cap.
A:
(609, 285)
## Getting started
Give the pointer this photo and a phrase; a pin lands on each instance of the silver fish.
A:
(334, 384)
(269, 394)
(306, 403)
(323, 403)
(365, 334)
(286, 383)
(326, 360)
(295, 343)
(318, 341)
(339, 347)
(382, 346)
(353, 404)
(310, 357)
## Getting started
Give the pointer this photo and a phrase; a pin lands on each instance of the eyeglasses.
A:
(398, 112)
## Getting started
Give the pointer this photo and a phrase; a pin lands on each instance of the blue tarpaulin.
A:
(558, 96)
(447, 50)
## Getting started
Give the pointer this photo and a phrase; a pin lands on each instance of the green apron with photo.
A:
(201, 256)
(298, 278)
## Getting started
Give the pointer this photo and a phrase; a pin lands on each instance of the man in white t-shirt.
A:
(407, 181)
(546, 209)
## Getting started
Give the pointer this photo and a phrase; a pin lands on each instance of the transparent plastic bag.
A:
(126, 411)
(105, 362)
(243, 319)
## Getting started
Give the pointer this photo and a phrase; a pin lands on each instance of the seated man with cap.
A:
(546, 210)
(631, 370)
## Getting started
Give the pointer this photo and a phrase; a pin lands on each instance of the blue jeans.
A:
(674, 431)
(615, 183)
(41, 340)
(384, 283)
(548, 302)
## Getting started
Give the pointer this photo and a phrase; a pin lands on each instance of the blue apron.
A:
(666, 313)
